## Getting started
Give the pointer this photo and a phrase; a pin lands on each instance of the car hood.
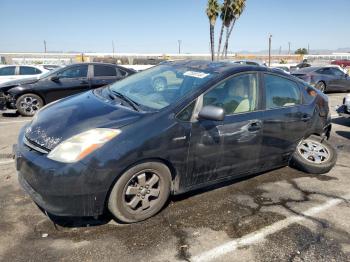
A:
(9, 84)
(70, 116)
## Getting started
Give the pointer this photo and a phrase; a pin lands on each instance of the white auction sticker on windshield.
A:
(196, 74)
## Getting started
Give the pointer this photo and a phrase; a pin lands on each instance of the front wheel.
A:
(321, 86)
(140, 192)
(314, 155)
(29, 104)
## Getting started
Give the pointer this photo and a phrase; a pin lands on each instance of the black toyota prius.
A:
(167, 130)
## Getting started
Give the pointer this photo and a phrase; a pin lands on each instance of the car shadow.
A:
(343, 121)
(10, 114)
(345, 134)
(106, 218)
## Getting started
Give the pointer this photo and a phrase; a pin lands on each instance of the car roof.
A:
(216, 66)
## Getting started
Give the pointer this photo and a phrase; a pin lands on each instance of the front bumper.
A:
(60, 189)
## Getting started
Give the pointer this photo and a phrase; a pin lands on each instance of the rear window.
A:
(103, 70)
(28, 70)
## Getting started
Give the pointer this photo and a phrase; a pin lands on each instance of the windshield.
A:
(162, 85)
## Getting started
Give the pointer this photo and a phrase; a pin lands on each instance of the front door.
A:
(228, 148)
(71, 81)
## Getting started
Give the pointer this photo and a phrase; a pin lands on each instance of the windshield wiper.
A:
(133, 104)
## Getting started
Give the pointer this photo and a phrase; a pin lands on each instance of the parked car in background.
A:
(327, 78)
(13, 72)
(250, 62)
(284, 69)
(128, 146)
(342, 62)
(344, 109)
(303, 64)
(29, 95)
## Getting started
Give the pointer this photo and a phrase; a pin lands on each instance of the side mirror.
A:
(55, 78)
(346, 75)
(212, 113)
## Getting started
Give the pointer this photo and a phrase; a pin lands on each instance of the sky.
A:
(147, 26)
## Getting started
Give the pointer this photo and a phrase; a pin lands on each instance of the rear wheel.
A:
(140, 192)
(321, 86)
(29, 104)
(314, 155)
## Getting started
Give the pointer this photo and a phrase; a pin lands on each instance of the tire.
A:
(319, 160)
(147, 182)
(321, 86)
(29, 104)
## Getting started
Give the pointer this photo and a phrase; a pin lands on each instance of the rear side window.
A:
(74, 72)
(7, 71)
(324, 71)
(103, 70)
(28, 70)
(281, 92)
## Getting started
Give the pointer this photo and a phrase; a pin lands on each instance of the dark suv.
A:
(127, 146)
(29, 95)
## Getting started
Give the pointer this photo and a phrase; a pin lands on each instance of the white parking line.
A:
(261, 234)
(16, 121)
(6, 162)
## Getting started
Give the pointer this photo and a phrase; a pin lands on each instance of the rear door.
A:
(71, 80)
(104, 75)
(285, 120)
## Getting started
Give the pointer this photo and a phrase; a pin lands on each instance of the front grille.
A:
(31, 144)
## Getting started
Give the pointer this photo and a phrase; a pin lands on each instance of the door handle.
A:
(254, 126)
(84, 82)
(305, 117)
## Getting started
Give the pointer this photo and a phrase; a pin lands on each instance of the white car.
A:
(14, 72)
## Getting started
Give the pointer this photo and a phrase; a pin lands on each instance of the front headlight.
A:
(81, 145)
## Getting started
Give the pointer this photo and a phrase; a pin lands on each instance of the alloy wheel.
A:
(30, 104)
(321, 86)
(313, 151)
(142, 191)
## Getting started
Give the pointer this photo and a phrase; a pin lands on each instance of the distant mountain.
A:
(285, 52)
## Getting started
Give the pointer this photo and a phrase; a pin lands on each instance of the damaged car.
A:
(126, 147)
(31, 94)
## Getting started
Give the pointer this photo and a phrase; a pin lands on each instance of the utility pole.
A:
(308, 49)
(113, 48)
(280, 51)
(288, 48)
(179, 44)
(45, 46)
(270, 38)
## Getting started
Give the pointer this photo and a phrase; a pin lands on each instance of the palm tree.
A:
(226, 17)
(212, 13)
(237, 8)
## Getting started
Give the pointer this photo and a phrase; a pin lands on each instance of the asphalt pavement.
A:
(282, 215)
